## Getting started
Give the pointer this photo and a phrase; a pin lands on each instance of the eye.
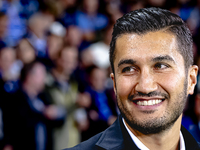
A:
(128, 69)
(161, 66)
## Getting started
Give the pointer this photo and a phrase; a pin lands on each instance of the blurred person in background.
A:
(85, 60)
(38, 27)
(183, 8)
(28, 118)
(25, 52)
(39, 24)
(18, 11)
(100, 49)
(113, 9)
(90, 20)
(74, 36)
(102, 111)
(68, 11)
(55, 41)
(63, 91)
(3, 28)
(65, 5)
(8, 75)
(7, 58)
(93, 56)
(8, 84)
(194, 23)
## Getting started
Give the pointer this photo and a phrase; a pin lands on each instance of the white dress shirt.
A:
(141, 146)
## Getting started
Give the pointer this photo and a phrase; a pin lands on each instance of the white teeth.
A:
(145, 103)
(139, 103)
(154, 102)
(149, 102)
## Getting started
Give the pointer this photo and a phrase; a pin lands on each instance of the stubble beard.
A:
(155, 125)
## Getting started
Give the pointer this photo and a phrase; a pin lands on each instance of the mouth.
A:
(150, 102)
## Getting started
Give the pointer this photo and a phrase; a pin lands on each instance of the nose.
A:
(146, 82)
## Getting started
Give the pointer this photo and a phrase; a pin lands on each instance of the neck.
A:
(167, 140)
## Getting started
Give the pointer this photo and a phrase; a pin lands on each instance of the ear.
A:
(113, 79)
(192, 79)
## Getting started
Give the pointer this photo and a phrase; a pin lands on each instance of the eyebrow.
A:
(156, 59)
(163, 58)
(126, 61)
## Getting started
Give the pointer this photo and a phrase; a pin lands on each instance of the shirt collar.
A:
(182, 142)
(141, 146)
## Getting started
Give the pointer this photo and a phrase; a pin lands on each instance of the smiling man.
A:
(153, 73)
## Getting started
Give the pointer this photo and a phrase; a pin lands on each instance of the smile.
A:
(149, 102)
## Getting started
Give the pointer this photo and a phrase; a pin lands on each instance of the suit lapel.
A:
(116, 137)
(190, 142)
(128, 142)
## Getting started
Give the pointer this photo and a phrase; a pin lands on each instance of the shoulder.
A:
(112, 138)
(88, 144)
(190, 142)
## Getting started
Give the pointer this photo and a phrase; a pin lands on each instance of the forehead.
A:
(98, 72)
(69, 51)
(38, 69)
(146, 46)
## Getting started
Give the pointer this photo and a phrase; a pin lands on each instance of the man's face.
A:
(98, 79)
(69, 60)
(150, 80)
(37, 77)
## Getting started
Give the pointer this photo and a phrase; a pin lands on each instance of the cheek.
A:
(172, 83)
(124, 86)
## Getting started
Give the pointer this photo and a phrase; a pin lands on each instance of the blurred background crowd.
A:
(55, 89)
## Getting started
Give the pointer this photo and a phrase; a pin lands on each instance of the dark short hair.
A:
(153, 19)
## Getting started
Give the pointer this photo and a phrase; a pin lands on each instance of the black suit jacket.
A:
(116, 137)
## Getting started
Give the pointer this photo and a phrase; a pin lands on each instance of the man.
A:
(151, 59)
(28, 117)
(62, 91)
